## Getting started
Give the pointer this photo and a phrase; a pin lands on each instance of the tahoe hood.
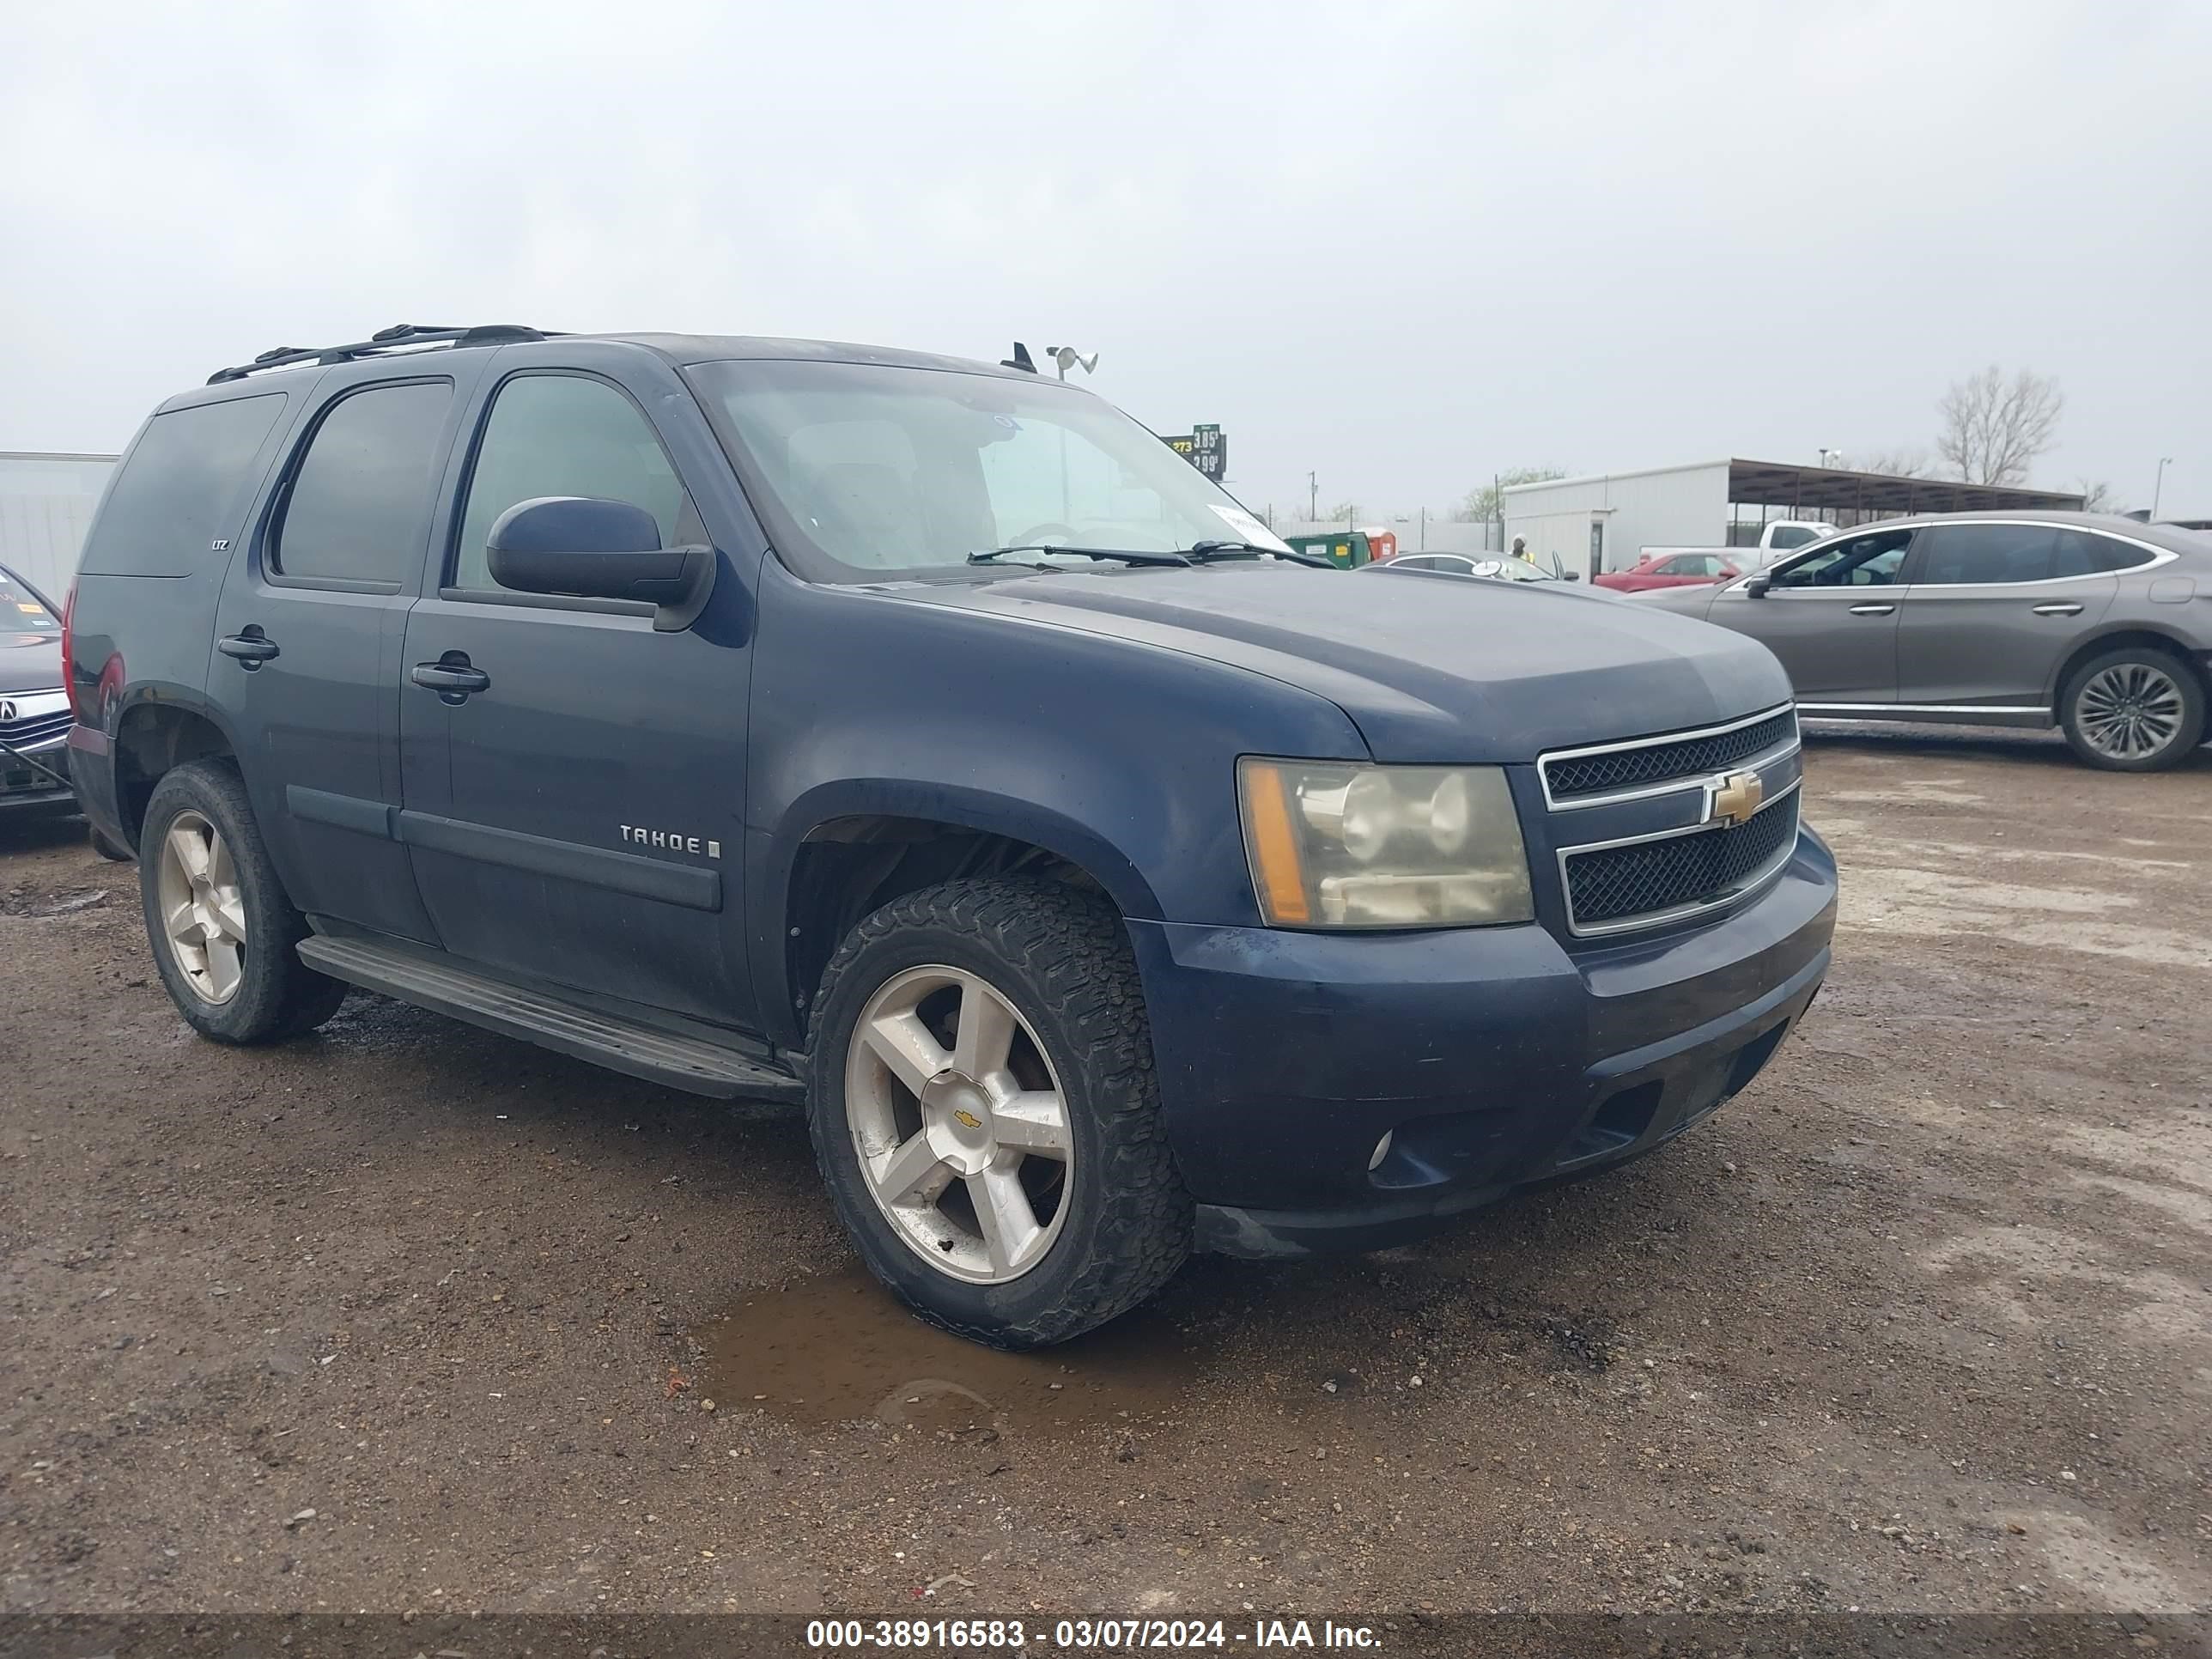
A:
(1430, 668)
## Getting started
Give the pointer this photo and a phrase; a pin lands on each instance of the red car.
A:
(1670, 570)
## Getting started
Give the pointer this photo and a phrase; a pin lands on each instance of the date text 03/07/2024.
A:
(1087, 1634)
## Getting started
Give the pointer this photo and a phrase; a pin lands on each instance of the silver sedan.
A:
(2099, 626)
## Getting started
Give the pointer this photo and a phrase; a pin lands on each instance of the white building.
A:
(1605, 520)
(46, 506)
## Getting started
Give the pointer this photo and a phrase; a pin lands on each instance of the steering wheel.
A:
(1037, 534)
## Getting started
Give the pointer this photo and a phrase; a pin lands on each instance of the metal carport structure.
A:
(1780, 490)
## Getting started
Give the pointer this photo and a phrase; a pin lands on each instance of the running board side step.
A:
(692, 1064)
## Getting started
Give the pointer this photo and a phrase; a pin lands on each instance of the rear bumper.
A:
(1492, 1057)
(91, 767)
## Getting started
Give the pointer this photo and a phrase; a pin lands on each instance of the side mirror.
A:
(587, 547)
(1574, 575)
(1757, 586)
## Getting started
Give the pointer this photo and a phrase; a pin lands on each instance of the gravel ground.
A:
(408, 1316)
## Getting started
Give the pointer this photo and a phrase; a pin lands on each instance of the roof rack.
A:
(385, 339)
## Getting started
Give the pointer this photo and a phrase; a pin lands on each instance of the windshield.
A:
(20, 608)
(876, 469)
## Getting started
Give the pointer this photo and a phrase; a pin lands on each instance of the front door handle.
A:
(1872, 610)
(2058, 608)
(252, 648)
(451, 677)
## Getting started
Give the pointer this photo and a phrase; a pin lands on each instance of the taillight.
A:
(69, 656)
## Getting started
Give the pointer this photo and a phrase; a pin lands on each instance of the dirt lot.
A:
(410, 1317)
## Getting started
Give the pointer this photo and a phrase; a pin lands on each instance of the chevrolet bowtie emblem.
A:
(1737, 796)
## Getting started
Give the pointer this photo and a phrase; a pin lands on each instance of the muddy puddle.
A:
(836, 1348)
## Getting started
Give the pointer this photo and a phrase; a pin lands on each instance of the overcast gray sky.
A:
(1401, 245)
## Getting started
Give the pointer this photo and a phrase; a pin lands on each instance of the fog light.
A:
(1382, 1151)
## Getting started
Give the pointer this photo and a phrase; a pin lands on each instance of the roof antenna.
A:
(1020, 359)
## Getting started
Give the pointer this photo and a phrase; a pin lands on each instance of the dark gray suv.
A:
(923, 741)
(2100, 626)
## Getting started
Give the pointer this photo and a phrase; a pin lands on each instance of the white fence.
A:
(46, 507)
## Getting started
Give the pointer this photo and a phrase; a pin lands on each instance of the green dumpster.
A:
(1347, 549)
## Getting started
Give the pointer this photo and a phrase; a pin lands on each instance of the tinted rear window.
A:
(1973, 553)
(184, 485)
(2086, 553)
(359, 505)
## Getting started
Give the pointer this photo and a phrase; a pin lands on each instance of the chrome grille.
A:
(1643, 830)
(36, 729)
(1648, 880)
(1579, 777)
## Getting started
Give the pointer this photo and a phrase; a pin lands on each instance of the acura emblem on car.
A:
(1737, 796)
(7, 709)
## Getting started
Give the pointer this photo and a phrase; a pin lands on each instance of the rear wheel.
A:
(223, 931)
(984, 1112)
(2135, 709)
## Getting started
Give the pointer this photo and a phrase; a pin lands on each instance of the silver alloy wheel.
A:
(2130, 711)
(960, 1123)
(202, 911)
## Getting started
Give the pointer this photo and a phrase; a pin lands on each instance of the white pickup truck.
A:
(1783, 536)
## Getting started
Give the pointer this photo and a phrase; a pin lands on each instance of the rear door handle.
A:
(1872, 610)
(2058, 608)
(251, 647)
(449, 677)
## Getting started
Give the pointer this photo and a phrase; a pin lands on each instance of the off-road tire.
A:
(1062, 957)
(278, 996)
(2184, 677)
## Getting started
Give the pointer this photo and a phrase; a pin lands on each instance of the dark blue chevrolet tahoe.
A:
(925, 741)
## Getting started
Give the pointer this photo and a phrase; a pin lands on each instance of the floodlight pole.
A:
(2164, 461)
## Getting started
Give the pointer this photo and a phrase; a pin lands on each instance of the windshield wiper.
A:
(1126, 554)
(1214, 549)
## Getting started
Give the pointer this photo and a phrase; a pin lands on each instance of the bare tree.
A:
(1485, 502)
(1993, 428)
(2096, 495)
(1907, 461)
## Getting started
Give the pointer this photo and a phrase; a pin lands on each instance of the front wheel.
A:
(222, 929)
(984, 1112)
(2133, 710)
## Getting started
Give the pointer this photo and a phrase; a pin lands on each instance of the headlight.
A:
(1334, 844)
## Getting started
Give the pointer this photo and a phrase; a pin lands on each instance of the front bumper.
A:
(24, 788)
(1493, 1057)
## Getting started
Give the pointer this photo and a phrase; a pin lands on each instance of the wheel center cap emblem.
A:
(967, 1119)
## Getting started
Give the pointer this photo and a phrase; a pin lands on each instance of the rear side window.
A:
(359, 502)
(1982, 554)
(2085, 553)
(183, 487)
(563, 434)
